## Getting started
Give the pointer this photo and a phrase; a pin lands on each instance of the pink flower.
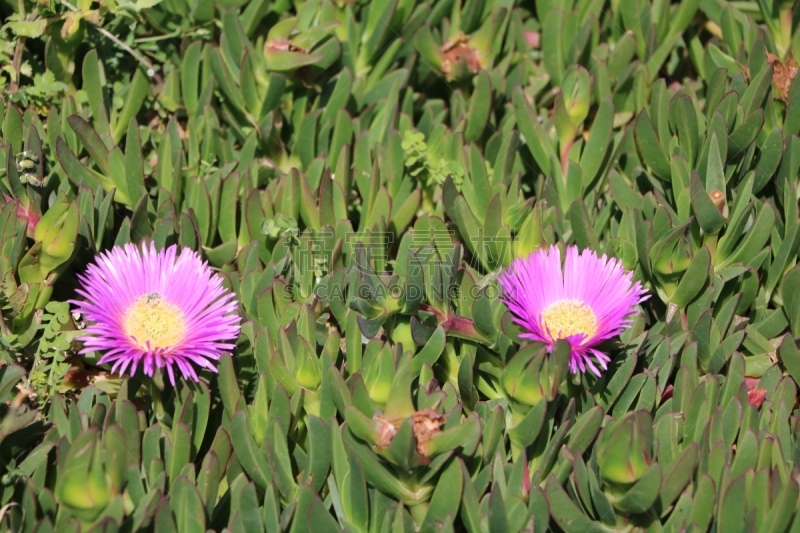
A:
(157, 309)
(587, 302)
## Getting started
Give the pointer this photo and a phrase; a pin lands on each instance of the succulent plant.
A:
(361, 176)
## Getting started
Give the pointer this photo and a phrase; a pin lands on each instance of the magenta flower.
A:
(157, 309)
(587, 302)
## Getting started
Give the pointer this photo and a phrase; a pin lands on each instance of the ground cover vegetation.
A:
(383, 193)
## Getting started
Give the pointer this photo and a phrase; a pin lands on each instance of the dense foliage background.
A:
(359, 172)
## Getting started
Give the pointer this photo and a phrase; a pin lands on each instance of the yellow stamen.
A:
(153, 319)
(569, 317)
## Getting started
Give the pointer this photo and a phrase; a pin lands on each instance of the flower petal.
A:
(533, 283)
(123, 275)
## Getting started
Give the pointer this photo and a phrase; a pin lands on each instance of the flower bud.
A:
(521, 378)
(57, 231)
(624, 448)
(530, 236)
(85, 491)
(534, 374)
(307, 369)
(378, 376)
(402, 333)
(576, 91)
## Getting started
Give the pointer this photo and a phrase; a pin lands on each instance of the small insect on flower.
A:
(588, 301)
(156, 309)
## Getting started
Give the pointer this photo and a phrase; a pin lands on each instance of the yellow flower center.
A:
(153, 319)
(569, 317)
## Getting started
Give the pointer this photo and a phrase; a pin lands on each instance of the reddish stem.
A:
(565, 159)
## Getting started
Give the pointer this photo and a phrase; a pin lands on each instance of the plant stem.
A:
(155, 395)
(565, 158)
(311, 402)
